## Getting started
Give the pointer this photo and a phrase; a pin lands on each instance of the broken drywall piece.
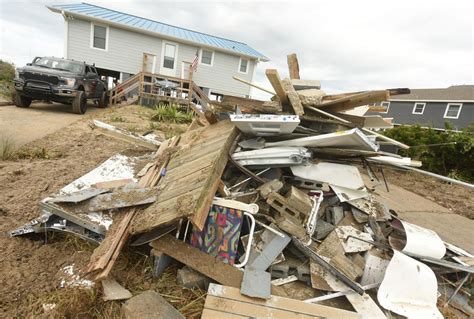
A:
(346, 194)
(347, 176)
(375, 267)
(114, 291)
(417, 240)
(353, 139)
(116, 167)
(148, 305)
(273, 157)
(265, 124)
(409, 288)
(350, 244)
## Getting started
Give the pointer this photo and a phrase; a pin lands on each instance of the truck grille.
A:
(41, 77)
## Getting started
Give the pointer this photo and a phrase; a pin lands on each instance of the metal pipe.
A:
(248, 178)
(249, 243)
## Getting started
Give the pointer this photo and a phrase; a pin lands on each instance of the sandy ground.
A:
(23, 125)
(29, 277)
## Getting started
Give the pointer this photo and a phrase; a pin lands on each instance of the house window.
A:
(169, 56)
(207, 57)
(384, 106)
(452, 111)
(99, 37)
(244, 65)
(418, 108)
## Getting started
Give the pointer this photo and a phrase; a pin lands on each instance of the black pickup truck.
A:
(59, 80)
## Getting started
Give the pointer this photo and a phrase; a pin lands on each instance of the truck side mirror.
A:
(90, 75)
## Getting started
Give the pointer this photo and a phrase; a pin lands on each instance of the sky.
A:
(347, 45)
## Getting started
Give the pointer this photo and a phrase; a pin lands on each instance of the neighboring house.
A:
(432, 107)
(121, 45)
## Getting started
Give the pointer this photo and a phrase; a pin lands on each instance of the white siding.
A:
(125, 54)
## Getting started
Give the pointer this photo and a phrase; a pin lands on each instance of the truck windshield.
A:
(59, 64)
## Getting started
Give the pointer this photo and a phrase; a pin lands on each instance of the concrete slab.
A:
(415, 209)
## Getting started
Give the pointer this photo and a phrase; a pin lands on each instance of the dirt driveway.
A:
(23, 125)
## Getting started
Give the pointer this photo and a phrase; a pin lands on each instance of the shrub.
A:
(170, 113)
(447, 152)
(7, 71)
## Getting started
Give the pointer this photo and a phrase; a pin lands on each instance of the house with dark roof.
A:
(122, 45)
(431, 107)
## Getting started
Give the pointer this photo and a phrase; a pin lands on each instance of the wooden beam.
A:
(293, 66)
(228, 302)
(253, 85)
(274, 78)
(354, 100)
(104, 256)
(204, 263)
(293, 97)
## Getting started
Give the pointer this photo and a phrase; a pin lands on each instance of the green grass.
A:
(7, 148)
(171, 114)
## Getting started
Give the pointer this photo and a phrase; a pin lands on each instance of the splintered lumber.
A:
(354, 100)
(293, 66)
(191, 180)
(200, 261)
(275, 81)
(253, 85)
(204, 263)
(124, 135)
(227, 302)
(229, 103)
(104, 256)
(293, 97)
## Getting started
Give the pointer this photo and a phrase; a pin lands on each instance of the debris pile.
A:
(267, 208)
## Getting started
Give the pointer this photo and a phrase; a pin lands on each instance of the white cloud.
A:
(348, 45)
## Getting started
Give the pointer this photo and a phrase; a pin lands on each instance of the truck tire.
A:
(79, 104)
(21, 100)
(103, 101)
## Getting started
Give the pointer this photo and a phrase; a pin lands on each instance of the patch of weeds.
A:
(133, 128)
(171, 114)
(154, 126)
(117, 118)
(7, 148)
(33, 153)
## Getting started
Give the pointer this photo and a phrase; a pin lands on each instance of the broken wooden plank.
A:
(293, 97)
(204, 263)
(354, 100)
(227, 302)
(114, 200)
(277, 85)
(124, 135)
(104, 256)
(191, 180)
(194, 258)
(293, 66)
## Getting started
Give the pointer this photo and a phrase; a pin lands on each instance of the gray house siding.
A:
(125, 54)
(433, 114)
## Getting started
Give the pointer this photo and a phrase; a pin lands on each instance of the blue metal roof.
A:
(147, 25)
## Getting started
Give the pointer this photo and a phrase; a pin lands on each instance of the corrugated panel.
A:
(158, 27)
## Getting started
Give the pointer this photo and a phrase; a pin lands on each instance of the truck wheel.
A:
(103, 101)
(79, 104)
(21, 100)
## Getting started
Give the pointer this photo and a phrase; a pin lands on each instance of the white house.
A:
(121, 45)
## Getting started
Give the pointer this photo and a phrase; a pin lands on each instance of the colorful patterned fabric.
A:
(221, 233)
